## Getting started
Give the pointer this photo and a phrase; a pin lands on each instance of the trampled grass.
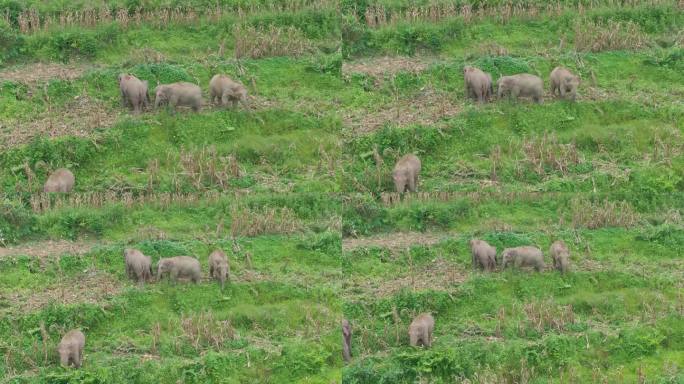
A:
(296, 188)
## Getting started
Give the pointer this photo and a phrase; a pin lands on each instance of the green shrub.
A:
(11, 42)
(16, 221)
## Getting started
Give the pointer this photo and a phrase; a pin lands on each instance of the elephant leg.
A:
(514, 93)
(562, 92)
(412, 183)
(173, 101)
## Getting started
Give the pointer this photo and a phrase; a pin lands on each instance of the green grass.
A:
(294, 176)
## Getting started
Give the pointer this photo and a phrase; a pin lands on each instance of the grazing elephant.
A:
(524, 84)
(61, 180)
(484, 255)
(560, 256)
(223, 89)
(478, 84)
(179, 94)
(420, 330)
(180, 267)
(346, 340)
(219, 267)
(133, 92)
(565, 83)
(406, 172)
(523, 257)
(138, 266)
(70, 349)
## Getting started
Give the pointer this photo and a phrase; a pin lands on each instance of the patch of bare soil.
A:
(41, 72)
(80, 117)
(393, 241)
(438, 275)
(427, 108)
(380, 66)
(48, 248)
(90, 287)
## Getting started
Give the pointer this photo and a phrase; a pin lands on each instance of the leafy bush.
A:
(10, 41)
(16, 221)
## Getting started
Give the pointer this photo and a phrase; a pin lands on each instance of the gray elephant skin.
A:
(560, 256)
(180, 267)
(406, 172)
(138, 266)
(564, 83)
(478, 84)
(219, 267)
(484, 255)
(179, 94)
(224, 90)
(70, 349)
(526, 256)
(420, 330)
(61, 180)
(521, 85)
(134, 92)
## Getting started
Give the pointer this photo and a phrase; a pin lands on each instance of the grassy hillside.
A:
(603, 174)
(296, 189)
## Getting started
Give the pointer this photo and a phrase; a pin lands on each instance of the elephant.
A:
(406, 172)
(560, 256)
(180, 266)
(70, 349)
(179, 94)
(138, 266)
(223, 90)
(523, 84)
(478, 84)
(346, 340)
(420, 330)
(565, 83)
(525, 256)
(484, 255)
(219, 266)
(61, 180)
(134, 92)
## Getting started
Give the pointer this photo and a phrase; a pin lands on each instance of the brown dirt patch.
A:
(438, 275)
(41, 72)
(429, 107)
(380, 66)
(44, 249)
(80, 117)
(90, 287)
(395, 241)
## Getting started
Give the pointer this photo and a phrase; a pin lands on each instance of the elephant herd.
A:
(222, 90)
(139, 268)
(483, 257)
(479, 86)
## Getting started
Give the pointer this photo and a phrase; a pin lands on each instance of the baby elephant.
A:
(565, 83)
(180, 267)
(405, 173)
(478, 84)
(524, 84)
(560, 255)
(346, 340)
(484, 255)
(138, 266)
(179, 94)
(223, 89)
(219, 267)
(420, 330)
(61, 180)
(133, 92)
(70, 349)
(523, 257)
